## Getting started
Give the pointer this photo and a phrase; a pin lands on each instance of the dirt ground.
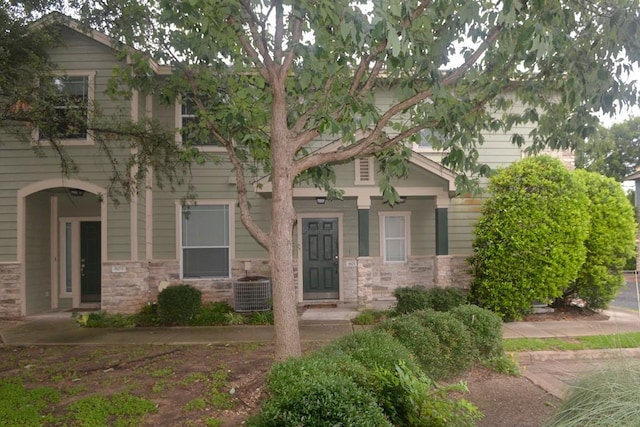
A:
(229, 379)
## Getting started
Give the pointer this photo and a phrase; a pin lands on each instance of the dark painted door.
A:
(320, 261)
(90, 261)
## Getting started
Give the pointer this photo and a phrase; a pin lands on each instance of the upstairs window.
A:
(426, 138)
(69, 99)
(191, 130)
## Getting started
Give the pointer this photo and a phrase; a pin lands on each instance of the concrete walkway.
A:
(551, 370)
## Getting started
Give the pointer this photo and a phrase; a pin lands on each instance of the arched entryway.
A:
(61, 239)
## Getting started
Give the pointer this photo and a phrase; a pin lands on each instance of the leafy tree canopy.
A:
(269, 77)
(614, 152)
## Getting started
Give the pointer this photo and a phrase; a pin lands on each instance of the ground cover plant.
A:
(215, 313)
(607, 397)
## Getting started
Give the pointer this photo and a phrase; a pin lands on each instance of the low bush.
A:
(610, 397)
(318, 391)
(178, 305)
(211, 314)
(485, 328)
(454, 353)
(445, 299)
(422, 342)
(368, 368)
(369, 317)
(148, 315)
(417, 298)
(420, 402)
(410, 299)
(102, 319)
(373, 349)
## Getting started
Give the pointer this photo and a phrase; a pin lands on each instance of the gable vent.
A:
(364, 171)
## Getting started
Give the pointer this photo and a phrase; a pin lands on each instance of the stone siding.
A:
(378, 280)
(127, 285)
(10, 299)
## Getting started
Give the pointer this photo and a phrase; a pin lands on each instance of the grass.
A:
(627, 340)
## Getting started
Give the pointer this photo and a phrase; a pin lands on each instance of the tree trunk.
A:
(283, 217)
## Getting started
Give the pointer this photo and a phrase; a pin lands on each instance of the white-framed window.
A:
(71, 96)
(394, 236)
(189, 129)
(426, 139)
(206, 240)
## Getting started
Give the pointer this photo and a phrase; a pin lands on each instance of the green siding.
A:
(19, 166)
(38, 254)
(211, 182)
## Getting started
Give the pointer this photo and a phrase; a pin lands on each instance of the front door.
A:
(90, 262)
(320, 262)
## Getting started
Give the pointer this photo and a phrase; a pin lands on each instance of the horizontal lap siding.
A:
(20, 166)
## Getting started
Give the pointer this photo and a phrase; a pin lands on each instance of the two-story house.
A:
(64, 244)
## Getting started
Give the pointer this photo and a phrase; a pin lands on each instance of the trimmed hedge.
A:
(319, 391)
(415, 298)
(178, 305)
(485, 327)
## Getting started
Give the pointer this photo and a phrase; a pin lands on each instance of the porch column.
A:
(364, 204)
(442, 228)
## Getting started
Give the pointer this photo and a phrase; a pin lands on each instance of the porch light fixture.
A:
(76, 192)
(321, 200)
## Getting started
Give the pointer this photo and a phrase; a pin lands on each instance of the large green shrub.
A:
(178, 305)
(485, 327)
(610, 243)
(529, 241)
(417, 298)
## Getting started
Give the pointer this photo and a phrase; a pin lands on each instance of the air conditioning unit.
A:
(252, 294)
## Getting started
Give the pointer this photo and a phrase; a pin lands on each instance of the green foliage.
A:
(214, 313)
(427, 403)
(120, 409)
(410, 299)
(148, 315)
(613, 152)
(485, 327)
(102, 319)
(261, 318)
(416, 298)
(446, 299)
(179, 304)
(370, 317)
(455, 351)
(608, 397)
(356, 368)
(373, 348)
(318, 391)
(20, 407)
(421, 341)
(529, 241)
(611, 241)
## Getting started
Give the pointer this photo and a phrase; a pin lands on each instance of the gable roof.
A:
(57, 18)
